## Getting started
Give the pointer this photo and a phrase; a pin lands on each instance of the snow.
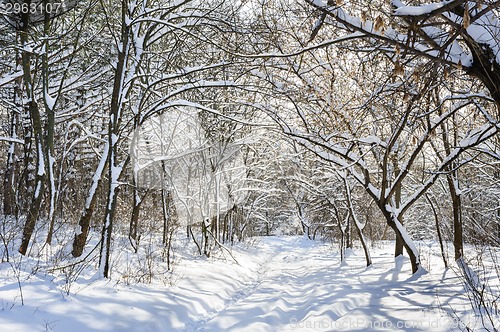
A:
(11, 139)
(281, 284)
(372, 140)
(407, 239)
(50, 101)
(486, 30)
(97, 175)
(6, 79)
(38, 188)
(403, 10)
(41, 160)
(52, 185)
(483, 30)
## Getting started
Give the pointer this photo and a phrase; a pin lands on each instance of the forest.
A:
(147, 126)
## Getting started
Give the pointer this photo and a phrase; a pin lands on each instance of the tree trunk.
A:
(457, 215)
(342, 233)
(114, 170)
(347, 234)
(9, 184)
(169, 247)
(398, 248)
(165, 199)
(134, 221)
(36, 124)
(194, 240)
(9, 181)
(88, 211)
(438, 230)
(114, 173)
(34, 210)
(356, 223)
(49, 128)
(452, 180)
(408, 244)
(363, 241)
(486, 69)
(204, 231)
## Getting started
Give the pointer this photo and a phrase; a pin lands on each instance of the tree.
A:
(158, 80)
(461, 34)
(379, 131)
(40, 137)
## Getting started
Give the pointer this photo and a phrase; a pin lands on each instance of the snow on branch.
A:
(425, 10)
(475, 138)
(339, 156)
(434, 40)
(11, 140)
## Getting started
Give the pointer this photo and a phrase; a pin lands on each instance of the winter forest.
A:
(249, 165)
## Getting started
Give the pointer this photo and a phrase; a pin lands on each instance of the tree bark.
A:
(134, 221)
(9, 181)
(398, 248)
(34, 210)
(9, 184)
(114, 170)
(204, 232)
(438, 230)
(36, 123)
(356, 223)
(393, 222)
(88, 211)
(49, 128)
(457, 216)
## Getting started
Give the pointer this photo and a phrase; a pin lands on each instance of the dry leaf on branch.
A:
(466, 22)
(379, 24)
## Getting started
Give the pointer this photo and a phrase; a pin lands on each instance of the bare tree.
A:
(380, 129)
(461, 34)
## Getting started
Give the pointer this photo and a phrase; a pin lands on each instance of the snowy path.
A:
(301, 287)
(261, 301)
(282, 284)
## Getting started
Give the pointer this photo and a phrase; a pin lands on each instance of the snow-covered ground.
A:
(280, 284)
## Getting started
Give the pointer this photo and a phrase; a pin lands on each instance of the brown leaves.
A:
(466, 20)
(416, 75)
(363, 17)
(379, 24)
(446, 73)
(398, 69)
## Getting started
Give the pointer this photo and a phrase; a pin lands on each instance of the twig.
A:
(223, 247)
